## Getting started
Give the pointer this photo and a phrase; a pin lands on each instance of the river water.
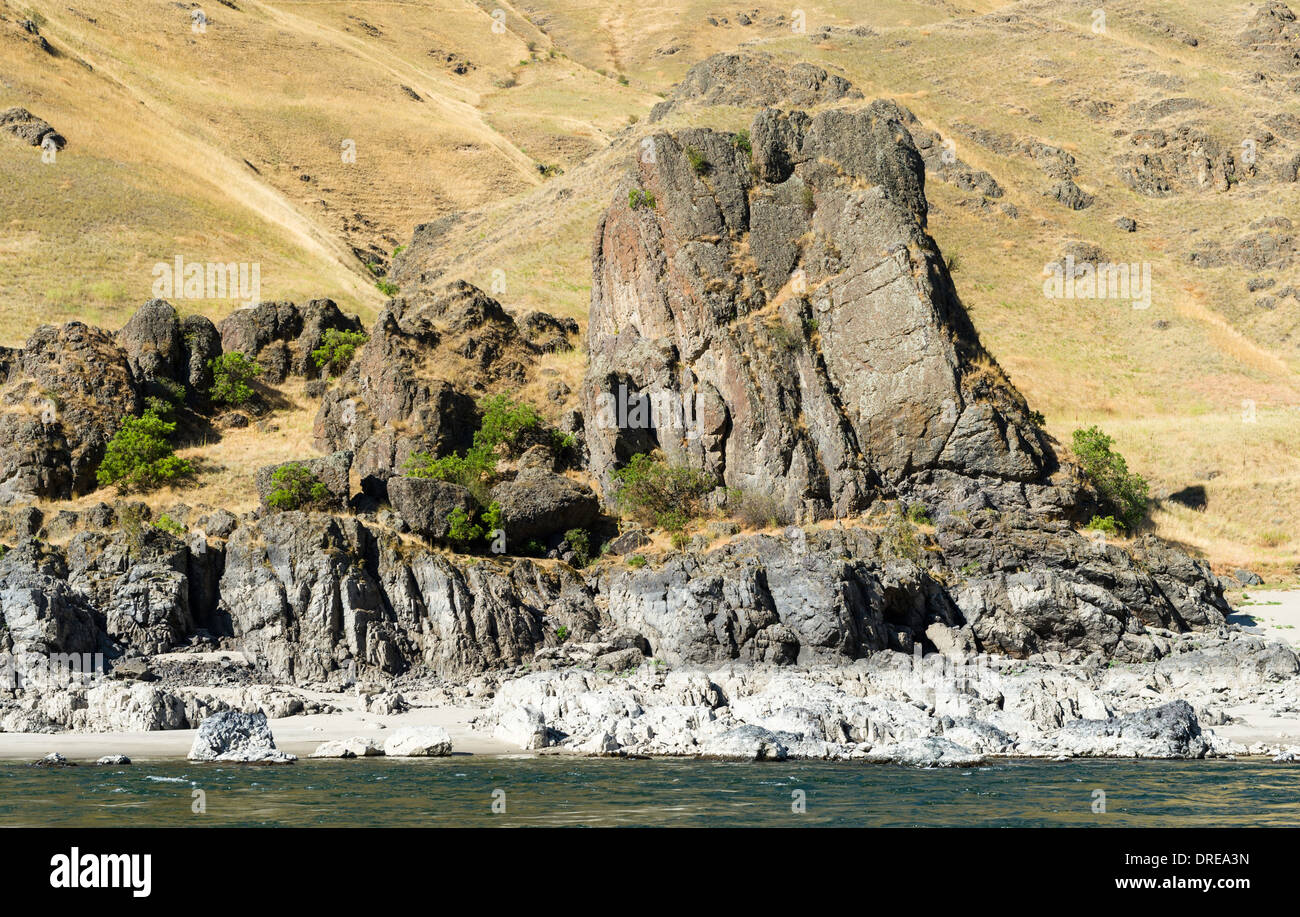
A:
(513, 791)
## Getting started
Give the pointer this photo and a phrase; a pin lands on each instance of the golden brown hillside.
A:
(228, 143)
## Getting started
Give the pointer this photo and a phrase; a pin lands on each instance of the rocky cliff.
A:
(780, 286)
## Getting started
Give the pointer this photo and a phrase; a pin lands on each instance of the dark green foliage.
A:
(231, 374)
(742, 142)
(580, 543)
(1121, 491)
(337, 349)
(295, 488)
(139, 456)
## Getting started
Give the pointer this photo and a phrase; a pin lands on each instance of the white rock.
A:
(524, 726)
(355, 747)
(418, 742)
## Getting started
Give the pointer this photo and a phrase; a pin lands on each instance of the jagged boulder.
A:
(1168, 731)
(407, 390)
(63, 396)
(538, 503)
(426, 505)
(41, 611)
(748, 79)
(27, 127)
(238, 737)
(280, 336)
(792, 314)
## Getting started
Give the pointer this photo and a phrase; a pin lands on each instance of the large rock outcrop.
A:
(789, 307)
(412, 388)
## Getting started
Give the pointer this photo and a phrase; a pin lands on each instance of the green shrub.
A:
(461, 528)
(170, 525)
(231, 374)
(562, 633)
(387, 287)
(650, 489)
(506, 423)
(580, 543)
(636, 199)
(919, 514)
(296, 487)
(337, 349)
(1121, 491)
(741, 140)
(699, 165)
(476, 469)
(636, 561)
(1105, 524)
(139, 457)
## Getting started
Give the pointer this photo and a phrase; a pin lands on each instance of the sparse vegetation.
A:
(505, 426)
(167, 524)
(699, 165)
(742, 142)
(636, 199)
(1121, 491)
(756, 510)
(387, 287)
(231, 374)
(580, 544)
(653, 491)
(636, 561)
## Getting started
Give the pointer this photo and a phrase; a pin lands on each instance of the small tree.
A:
(1122, 491)
(231, 374)
(295, 487)
(337, 349)
(139, 457)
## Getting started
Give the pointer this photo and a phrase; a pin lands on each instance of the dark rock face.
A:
(538, 503)
(334, 471)
(294, 590)
(407, 390)
(755, 80)
(425, 505)
(800, 315)
(65, 394)
(280, 336)
(1168, 731)
(27, 127)
(164, 348)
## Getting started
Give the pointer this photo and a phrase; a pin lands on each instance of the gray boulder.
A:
(538, 503)
(234, 736)
(1169, 731)
(425, 504)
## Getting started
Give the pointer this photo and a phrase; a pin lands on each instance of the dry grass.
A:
(160, 128)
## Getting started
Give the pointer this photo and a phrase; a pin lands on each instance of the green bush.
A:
(506, 423)
(337, 349)
(139, 457)
(919, 514)
(462, 530)
(637, 561)
(296, 487)
(387, 287)
(650, 489)
(231, 374)
(1105, 524)
(1121, 491)
(170, 525)
(636, 199)
(742, 142)
(580, 543)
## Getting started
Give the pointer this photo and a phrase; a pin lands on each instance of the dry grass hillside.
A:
(225, 145)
